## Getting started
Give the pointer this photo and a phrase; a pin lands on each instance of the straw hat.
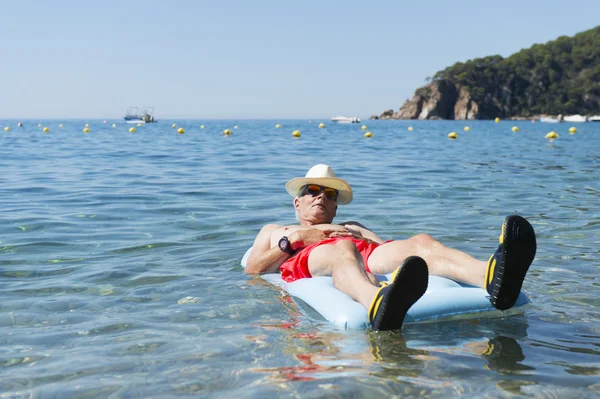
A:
(322, 175)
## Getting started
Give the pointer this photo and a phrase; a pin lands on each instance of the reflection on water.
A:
(323, 357)
(504, 355)
(120, 260)
(402, 362)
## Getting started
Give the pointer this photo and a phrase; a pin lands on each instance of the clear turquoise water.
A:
(120, 259)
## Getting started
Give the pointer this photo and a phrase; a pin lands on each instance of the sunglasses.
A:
(315, 189)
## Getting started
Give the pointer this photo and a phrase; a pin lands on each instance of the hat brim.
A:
(345, 191)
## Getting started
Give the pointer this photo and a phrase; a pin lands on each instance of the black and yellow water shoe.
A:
(508, 266)
(392, 301)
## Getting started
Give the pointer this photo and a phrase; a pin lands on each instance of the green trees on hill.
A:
(559, 77)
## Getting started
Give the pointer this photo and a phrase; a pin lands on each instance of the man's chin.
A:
(321, 216)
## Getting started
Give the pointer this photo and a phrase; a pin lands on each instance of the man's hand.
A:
(349, 232)
(306, 237)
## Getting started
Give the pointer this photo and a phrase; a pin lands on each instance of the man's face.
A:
(316, 204)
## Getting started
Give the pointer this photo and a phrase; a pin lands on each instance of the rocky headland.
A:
(438, 100)
(559, 77)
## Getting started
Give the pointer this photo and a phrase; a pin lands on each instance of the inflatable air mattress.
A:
(444, 298)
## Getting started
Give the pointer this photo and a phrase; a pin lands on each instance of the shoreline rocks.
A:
(440, 99)
(444, 100)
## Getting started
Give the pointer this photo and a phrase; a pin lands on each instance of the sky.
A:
(254, 58)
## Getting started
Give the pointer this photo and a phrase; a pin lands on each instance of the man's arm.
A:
(267, 259)
(263, 258)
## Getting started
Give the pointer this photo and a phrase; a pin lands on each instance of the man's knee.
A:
(344, 252)
(326, 259)
(346, 248)
(426, 242)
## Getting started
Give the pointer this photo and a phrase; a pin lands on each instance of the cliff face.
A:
(438, 100)
(465, 107)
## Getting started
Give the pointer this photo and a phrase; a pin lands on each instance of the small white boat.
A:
(595, 118)
(550, 120)
(575, 118)
(135, 115)
(345, 119)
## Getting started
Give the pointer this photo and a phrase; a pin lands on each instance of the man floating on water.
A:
(351, 254)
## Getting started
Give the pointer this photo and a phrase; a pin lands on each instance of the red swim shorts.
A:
(296, 267)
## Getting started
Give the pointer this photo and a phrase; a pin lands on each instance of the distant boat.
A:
(575, 118)
(595, 118)
(345, 119)
(550, 120)
(137, 115)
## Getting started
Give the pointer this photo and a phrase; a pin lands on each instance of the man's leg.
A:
(343, 262)
(441, 260)
(502, 276)
(387, 305)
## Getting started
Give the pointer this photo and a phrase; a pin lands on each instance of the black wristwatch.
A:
(286, 246)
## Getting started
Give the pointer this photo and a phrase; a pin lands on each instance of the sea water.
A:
(120, 254)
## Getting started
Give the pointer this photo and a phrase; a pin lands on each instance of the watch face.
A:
(283, 244)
